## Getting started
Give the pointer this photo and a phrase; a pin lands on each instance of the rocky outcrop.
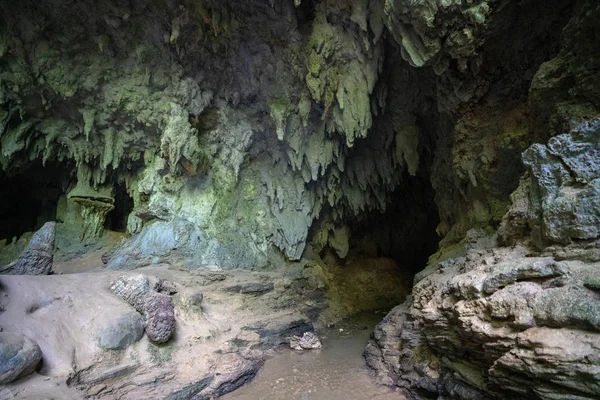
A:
(565, 193)
(37, 257)
(499, 322)
(19, 356)
(157, 308)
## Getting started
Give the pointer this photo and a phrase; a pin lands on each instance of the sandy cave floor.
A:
(63, 313)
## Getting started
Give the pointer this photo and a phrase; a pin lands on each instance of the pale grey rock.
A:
(19, 356)
(308, 341)
(565, 194)
(132, 289)
(121, 332)
(38, 256)
(179, 239)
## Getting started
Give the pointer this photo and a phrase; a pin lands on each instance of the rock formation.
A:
(37, 257)
(500, 322)
(122, 332)
(19, 356)
(157, 308)
(341, 141)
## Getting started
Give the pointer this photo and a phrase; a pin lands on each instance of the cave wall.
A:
(512, 313)
(248, 133)
(287, 123)
(243, 119)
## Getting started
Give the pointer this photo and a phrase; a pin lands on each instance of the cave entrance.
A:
(383, 253)
(30, 197)
(116, 219)
(406, 232)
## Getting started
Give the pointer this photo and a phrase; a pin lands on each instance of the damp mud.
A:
(337, 371)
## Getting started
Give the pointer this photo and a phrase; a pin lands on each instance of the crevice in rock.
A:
(116, 219)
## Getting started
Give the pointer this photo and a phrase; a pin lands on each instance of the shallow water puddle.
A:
(335, 372)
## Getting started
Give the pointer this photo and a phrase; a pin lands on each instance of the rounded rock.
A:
(160, 317)
(122, 332)
(19, 356)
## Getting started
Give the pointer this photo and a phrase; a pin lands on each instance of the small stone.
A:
(192, 299)
(95, 390)
(308, 341)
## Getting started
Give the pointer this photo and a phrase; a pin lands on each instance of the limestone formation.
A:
(94, 205)
(19, 356)
(565, 194)
(351, 137)
(497, 322)
(422, 346)
(37, 257)
(157, 308)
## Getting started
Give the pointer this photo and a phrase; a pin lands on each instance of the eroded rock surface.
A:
(157, 308)
(37, 257)
(566, 185)
(499, 322)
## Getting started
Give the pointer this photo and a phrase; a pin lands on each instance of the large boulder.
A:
(19, 356)
(182, 242)
(565, 192)
(493, 325)
(158, 308)
(159, 312)
(122, 332)
(37, 257)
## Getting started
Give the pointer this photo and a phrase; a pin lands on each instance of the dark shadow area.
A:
(405, 232)
(116, 220)
(305, 12)
(30, 197)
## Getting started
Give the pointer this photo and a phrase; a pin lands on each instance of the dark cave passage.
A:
(116, 220)
(406, 232)
(30, 197)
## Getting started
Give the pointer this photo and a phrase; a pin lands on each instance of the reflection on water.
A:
(335, 372)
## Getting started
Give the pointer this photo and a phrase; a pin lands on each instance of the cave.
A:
(116, 219)
(366, 199)
(30, 197)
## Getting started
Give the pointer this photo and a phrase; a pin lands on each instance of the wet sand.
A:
(335, 372)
